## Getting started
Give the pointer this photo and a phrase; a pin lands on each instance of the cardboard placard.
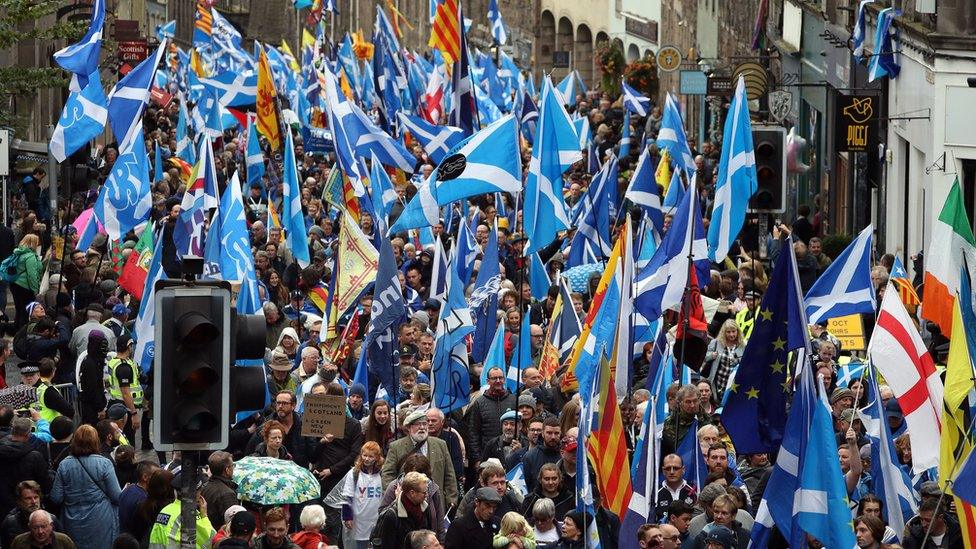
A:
(849, 330)
(324, 415)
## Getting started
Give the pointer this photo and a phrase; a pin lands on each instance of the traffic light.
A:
(198, 338)
(769, 143)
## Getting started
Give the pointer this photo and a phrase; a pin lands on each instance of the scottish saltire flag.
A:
(128, 99)
(484, 299)
(184, 142)
(235, 243)
(82, 119)
(157, 164)
(661, 284)
(696, 471)
(384, 195)
(451, 384)
(436, 140)
(521, 356)
(494, 357)
(779, 504)
(845, 288)
(755, 412)
(488, 112)
(463, 104)
(145, 331)
(339, 109)
(582, 125)
(234, 89)
(371, 139)
(421, 211)
(387, 313)
(855, 369)
(538, 278)
(640, 510)
(821, 506)
(675, 193)
(200, 197)
(330, 6)
(737, 180)
(568, 87)
(254, 159)
(591, 243)
(672, 136)
(643, 191)
(890, 482)
(466, 253)
(487, 162)
(497, 25)
(167, 30)
(857, 37)
(528, 117)
(292, 217)
(516, 479)
(555, 150)
(84, 114)
(625, 136)
(634, 101)
(883, 61)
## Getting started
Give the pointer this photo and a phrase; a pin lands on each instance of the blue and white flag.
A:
(528, 117)
(569, 87)
(450, 380)
(387, 313)
(167, 30)
(634, 101)
(384, 196)
(128, 99)
(145, 330)
(643, 191)
(370, 139)
(845, 288)
(661, 284)
(157, 164)
(672, 137)
(555, 150)
(81, 58)
(591, 243)
(463, 104)
(484, 298)
(675, 193)
(466, 252)
(497, 25)
(538, 278)
(82, 119)
(339, 110)
(857, 37)
(421, 211)
(436, 140)
(625, 136)
(234, 89)
(235, 243)
(737, 179)
(494, 357)
(521, 356)
(582, 125)
(292, 217)
(853, 370)
(254, 159)
(487, 162)
(890, 482)
(821, 506)
(126, 199)
(516, 479)
(184, 141)
(883, 62)
(200, 197)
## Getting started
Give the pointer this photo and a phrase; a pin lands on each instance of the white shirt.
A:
(363, 495)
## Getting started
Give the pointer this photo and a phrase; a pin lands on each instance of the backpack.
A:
(20, 341)
(10, 267)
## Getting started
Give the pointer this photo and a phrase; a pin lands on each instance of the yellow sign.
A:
(668, 58)
(849, 330)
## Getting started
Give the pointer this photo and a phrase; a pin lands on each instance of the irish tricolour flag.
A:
(952, 244)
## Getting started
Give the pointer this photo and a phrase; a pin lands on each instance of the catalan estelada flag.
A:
(445, 32)
(202, 24)
(899, 276)
(266, 97)
(607, 445)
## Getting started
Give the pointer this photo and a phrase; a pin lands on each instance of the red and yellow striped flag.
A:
(899, 277)
(445, 32)
(267, 111)
(607, 447)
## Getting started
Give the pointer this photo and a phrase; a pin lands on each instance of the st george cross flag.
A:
(737, 179)
(661, 284)
(634, 101)
(845, 288)
(897, 350)
(672, 137)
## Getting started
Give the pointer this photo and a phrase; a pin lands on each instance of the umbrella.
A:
(18, 396)
(579, 276)
(272, 481)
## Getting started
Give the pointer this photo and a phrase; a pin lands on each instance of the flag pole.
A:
(949, 479)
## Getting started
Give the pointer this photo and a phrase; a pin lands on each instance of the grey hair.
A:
(314, 516)
(437, 411)
(41, 513)
(269, 307)
(685, 391)
(543, 509)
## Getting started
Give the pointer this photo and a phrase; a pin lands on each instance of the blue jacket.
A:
(88, 492)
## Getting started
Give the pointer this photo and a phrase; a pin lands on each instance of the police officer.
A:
(746, 318)
(50, 404)
(166, 530)
(123, 383)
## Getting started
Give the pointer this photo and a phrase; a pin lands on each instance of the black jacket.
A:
(339, 455)
(394, 525)
(220, 493)
(293, 441)
(565, 502)
(914, 534)
(533, 461)
(485, 420)
(468, 532)
(20, 462)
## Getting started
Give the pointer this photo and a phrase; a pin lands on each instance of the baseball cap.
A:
(120, 309)
(116, 411)
(569, 444)
(242, 523)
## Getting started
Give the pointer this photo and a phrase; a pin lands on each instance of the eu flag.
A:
(755, 414)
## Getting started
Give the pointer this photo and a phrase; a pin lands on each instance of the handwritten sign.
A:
(324, 415)
(849, 330)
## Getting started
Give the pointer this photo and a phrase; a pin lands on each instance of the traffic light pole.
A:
(188, 499)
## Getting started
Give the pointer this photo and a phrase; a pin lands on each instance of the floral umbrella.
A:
(272, 481)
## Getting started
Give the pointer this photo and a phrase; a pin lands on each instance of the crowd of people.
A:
(77, 451)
